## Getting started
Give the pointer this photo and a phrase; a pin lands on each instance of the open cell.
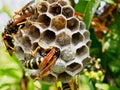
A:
(64, 77)
(82, 25)
(48, 36)
(49, 78)
(86, 61)
(55, 9)
(82, 51)
(52, 1)
(43, 7)
(86, 34)
(34, 32)
(73, 24)
(62, 3)
(44, 20)
(26, 42)
(88, 43)
(73, 67)
(19, 52)
(77, 38)
(68, 11)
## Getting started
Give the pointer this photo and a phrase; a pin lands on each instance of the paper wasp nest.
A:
(56, 25)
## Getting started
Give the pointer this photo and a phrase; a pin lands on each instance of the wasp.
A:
(15, 23)
(72, 85)
(44, 63)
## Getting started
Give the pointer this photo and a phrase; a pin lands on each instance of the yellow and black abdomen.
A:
(33, 63)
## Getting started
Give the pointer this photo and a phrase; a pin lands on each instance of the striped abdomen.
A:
(33, 63)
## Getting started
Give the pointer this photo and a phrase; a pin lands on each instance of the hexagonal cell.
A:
(63, 39)
(52, 1)
(42, 6)
(86, 34)
(82, 25)
(64, 77)
(17, 36)
(58, 67)
(55, 9)
(62, 3)
(19, 52)
(82, 50)
(50, 78)
(88, 43)
(68, 11)
(26, 43)
(86, 61)
(44, 20)
(73, 67)
(68, 54)
(73, 24)
(58, 23)
(48, 36)
(34, 33)
(77, 38)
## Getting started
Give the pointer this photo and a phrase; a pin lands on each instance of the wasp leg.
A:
(47, 59)
(45, 71)
(35, 51)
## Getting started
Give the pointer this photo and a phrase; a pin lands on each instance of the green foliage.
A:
(12, 74)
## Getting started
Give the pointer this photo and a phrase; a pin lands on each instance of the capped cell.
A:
(68, 54)
(63, 39)
(58, 67)
(58, 23)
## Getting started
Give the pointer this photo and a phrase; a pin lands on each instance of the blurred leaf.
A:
(118, 80)
(80, 7)
(6, 10)
(104, 86)
(110, 1)
(30, 85)
(90, 11)
(45, 86)
(87, 8)
(114, 66)
(85, 83)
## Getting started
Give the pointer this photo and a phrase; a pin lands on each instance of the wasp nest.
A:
(55, 25)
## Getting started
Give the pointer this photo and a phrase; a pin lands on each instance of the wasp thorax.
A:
(54, 25)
